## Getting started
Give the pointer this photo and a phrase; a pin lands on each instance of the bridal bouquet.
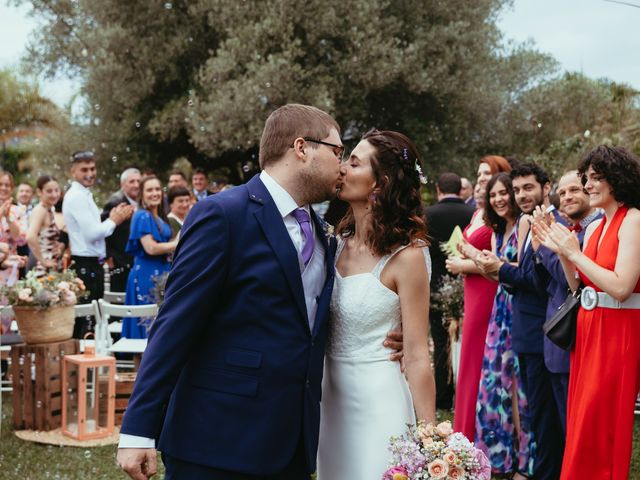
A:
(435, 452)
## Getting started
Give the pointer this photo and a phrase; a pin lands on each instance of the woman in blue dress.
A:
(503, 428)
(150, 243)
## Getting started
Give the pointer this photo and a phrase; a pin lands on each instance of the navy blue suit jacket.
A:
(231, 377)
(528, 285)
(555, 358)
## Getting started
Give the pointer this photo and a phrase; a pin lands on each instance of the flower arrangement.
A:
(46, 291)
(156, 293)
(449, 299)
(431, 451)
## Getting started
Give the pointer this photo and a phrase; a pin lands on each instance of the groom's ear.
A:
(299, 147)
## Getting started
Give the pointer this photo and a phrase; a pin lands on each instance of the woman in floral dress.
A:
(502, 420)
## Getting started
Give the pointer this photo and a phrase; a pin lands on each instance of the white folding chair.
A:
(102, 336)
(108, 309)
(114, 297)
(6, 313)
(125, 311)
(637, 410)
(87, 310)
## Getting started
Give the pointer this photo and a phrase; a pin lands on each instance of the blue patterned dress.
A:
(496, 434)
(145, 267)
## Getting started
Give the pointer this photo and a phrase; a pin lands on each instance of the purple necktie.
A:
(302, 217)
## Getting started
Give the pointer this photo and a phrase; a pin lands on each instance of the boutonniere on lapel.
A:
(328, 230)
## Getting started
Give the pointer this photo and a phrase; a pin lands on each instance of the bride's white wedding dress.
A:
(365, 396)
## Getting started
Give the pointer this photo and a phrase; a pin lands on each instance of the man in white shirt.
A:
(87, 232)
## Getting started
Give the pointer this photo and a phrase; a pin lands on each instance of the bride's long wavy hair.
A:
(396, 208)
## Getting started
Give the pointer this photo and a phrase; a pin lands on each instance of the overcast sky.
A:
(596, 37)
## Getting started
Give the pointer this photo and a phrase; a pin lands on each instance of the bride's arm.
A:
(412, 284)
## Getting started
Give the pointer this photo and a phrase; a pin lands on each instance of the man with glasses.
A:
(87, 232)
(237, 349)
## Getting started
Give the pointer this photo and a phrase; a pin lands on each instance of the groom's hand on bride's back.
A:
(394, 341)
(139, 463)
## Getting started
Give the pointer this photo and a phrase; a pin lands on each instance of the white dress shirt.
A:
(82, 217)
(313, 275)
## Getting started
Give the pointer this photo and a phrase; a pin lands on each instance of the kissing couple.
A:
(262, 300)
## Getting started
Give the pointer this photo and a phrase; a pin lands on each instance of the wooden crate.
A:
(124, 387)
(37, 383)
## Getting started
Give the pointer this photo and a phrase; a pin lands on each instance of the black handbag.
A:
(561, 328)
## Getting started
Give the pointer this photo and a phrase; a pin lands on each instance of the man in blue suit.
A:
(531, 186)
(574, 204)
(230, 383)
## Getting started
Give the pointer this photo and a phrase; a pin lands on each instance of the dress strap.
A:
(384, 260)
(339, 248)
(377, 270)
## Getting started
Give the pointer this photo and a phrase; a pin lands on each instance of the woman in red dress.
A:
(605, 365)
(479, 293)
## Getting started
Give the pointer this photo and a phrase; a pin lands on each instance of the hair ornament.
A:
(423, 179)
(405, 155)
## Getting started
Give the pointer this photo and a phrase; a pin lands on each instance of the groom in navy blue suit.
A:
(230, 383)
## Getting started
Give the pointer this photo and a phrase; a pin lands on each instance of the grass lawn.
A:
(20, 460)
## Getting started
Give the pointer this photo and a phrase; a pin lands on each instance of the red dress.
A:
(604, 379)
(479, 294)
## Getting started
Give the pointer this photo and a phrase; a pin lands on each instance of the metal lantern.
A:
(88, 396)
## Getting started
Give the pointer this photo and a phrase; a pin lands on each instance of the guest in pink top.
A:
(479, 293)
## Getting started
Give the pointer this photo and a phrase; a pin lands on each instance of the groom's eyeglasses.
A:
(338, 150)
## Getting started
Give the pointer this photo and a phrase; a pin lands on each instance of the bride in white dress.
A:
(382, 281)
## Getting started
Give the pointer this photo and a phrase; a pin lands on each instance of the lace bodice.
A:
(363, 310)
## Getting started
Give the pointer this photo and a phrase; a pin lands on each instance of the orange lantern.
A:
(88, 396)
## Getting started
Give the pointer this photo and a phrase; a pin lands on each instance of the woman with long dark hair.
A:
(44, 232)
(479, 293)
(605, 364)
(382, 282)
(502, 425)
(150, 244)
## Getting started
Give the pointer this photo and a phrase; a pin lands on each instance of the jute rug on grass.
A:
(55, 437)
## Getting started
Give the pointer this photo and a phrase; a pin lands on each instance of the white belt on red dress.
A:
(590, 299)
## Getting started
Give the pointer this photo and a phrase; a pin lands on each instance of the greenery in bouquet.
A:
(157, 291)
(431, 451)
(44, 291)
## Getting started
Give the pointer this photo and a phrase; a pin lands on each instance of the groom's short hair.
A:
(289, 122)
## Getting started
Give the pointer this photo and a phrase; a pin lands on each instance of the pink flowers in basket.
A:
(435, 452)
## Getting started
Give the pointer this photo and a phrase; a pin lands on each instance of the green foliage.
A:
(22, 106)
(197, 79)
(11, 158)
(165, 80)
(557, 122)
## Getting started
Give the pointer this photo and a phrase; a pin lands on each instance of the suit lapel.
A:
(328, 242)
(270, 221)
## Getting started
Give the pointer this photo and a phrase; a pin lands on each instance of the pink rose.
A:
(396, 473)
(63, 286)
(25, 295)
(444, 429)
(69, 297)
(484, 471)
(456, 473)
(80, 284)
(426, 441)
(450, 458)
(438, 469)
